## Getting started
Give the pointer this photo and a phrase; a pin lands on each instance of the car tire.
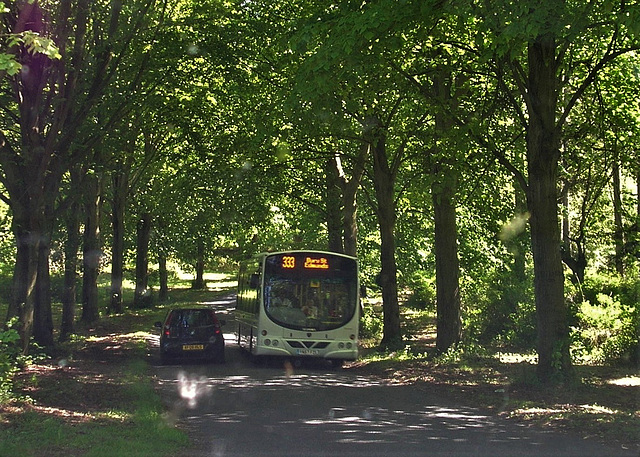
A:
(164, 359)
(220, 358)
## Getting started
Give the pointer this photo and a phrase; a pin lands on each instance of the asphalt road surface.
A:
(274, 409)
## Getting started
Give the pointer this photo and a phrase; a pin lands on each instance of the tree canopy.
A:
(481, 154)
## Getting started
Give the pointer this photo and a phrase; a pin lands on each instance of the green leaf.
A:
(8, 63)
(36, 44)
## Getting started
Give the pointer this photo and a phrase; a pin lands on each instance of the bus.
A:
(299, 304)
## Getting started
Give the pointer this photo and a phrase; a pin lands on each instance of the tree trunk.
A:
(164, 277)
(71, 248)
(618, 232)
(42, 317)
(350, 224)
(575, 259)
(72, 245)
(91, 250)
(120, 185)
(198, 282)
(543, 154)
(23, 295)
(443, 191)
(333, 200)
(142, 296)
(32, 199)
(519, 243)
(348, 189)
(384, 180)
(350, 202)
(28, 220)
(449, 325)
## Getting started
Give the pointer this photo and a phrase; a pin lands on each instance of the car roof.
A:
(192, 308)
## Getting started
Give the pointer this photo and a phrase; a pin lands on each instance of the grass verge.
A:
(602, 402)
(98, 400)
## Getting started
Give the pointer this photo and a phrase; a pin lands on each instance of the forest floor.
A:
(603, 403)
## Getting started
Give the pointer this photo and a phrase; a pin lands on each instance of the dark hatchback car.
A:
(191, 333)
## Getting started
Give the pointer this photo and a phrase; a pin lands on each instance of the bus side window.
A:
(254, 281)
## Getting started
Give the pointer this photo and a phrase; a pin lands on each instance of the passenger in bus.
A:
(285, 299)
(282, 302)
(310, 309)
(335, 309)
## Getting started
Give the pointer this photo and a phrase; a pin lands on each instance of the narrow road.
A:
(244, 409)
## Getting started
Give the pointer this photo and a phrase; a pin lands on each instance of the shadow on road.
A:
(241, 408)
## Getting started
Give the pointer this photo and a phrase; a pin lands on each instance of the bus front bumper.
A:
(332, 352)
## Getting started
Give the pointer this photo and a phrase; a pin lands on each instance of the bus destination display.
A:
(310, 263)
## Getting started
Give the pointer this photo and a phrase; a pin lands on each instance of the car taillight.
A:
(167, 325)
(216, 324)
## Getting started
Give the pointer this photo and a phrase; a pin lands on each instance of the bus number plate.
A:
(307, 352)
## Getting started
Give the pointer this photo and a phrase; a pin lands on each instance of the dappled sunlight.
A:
(374, 405)
(192, 386)
(627, 381)
(560, 412)
(382, 425)
(154, 340)
(527, 412)
(66, 414)
(224, 306)
(139, 335)
(515, 357)
(219, 286)
(227, 336)
(120, 338)
(99, 378)
(341, 407)
(596, 409)
(188, 276)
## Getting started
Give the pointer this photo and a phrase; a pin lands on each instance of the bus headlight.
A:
(267, 342)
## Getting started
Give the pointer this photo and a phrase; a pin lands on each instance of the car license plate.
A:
(307, 352)
(192, 347)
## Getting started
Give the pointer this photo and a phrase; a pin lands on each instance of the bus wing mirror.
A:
(254, 282)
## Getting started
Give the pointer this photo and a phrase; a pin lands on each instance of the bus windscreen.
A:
(310, 292)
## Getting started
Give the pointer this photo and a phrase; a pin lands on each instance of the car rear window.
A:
(192, 318)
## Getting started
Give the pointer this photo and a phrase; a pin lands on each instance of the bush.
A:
(606, 331)
(503, 311)
(10, 353)
(423, 296)
(370, 324)
(607, 320)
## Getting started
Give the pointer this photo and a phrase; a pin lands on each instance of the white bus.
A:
(299, 304)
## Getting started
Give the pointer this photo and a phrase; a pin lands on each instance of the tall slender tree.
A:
(539, 42)
(51, 101)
